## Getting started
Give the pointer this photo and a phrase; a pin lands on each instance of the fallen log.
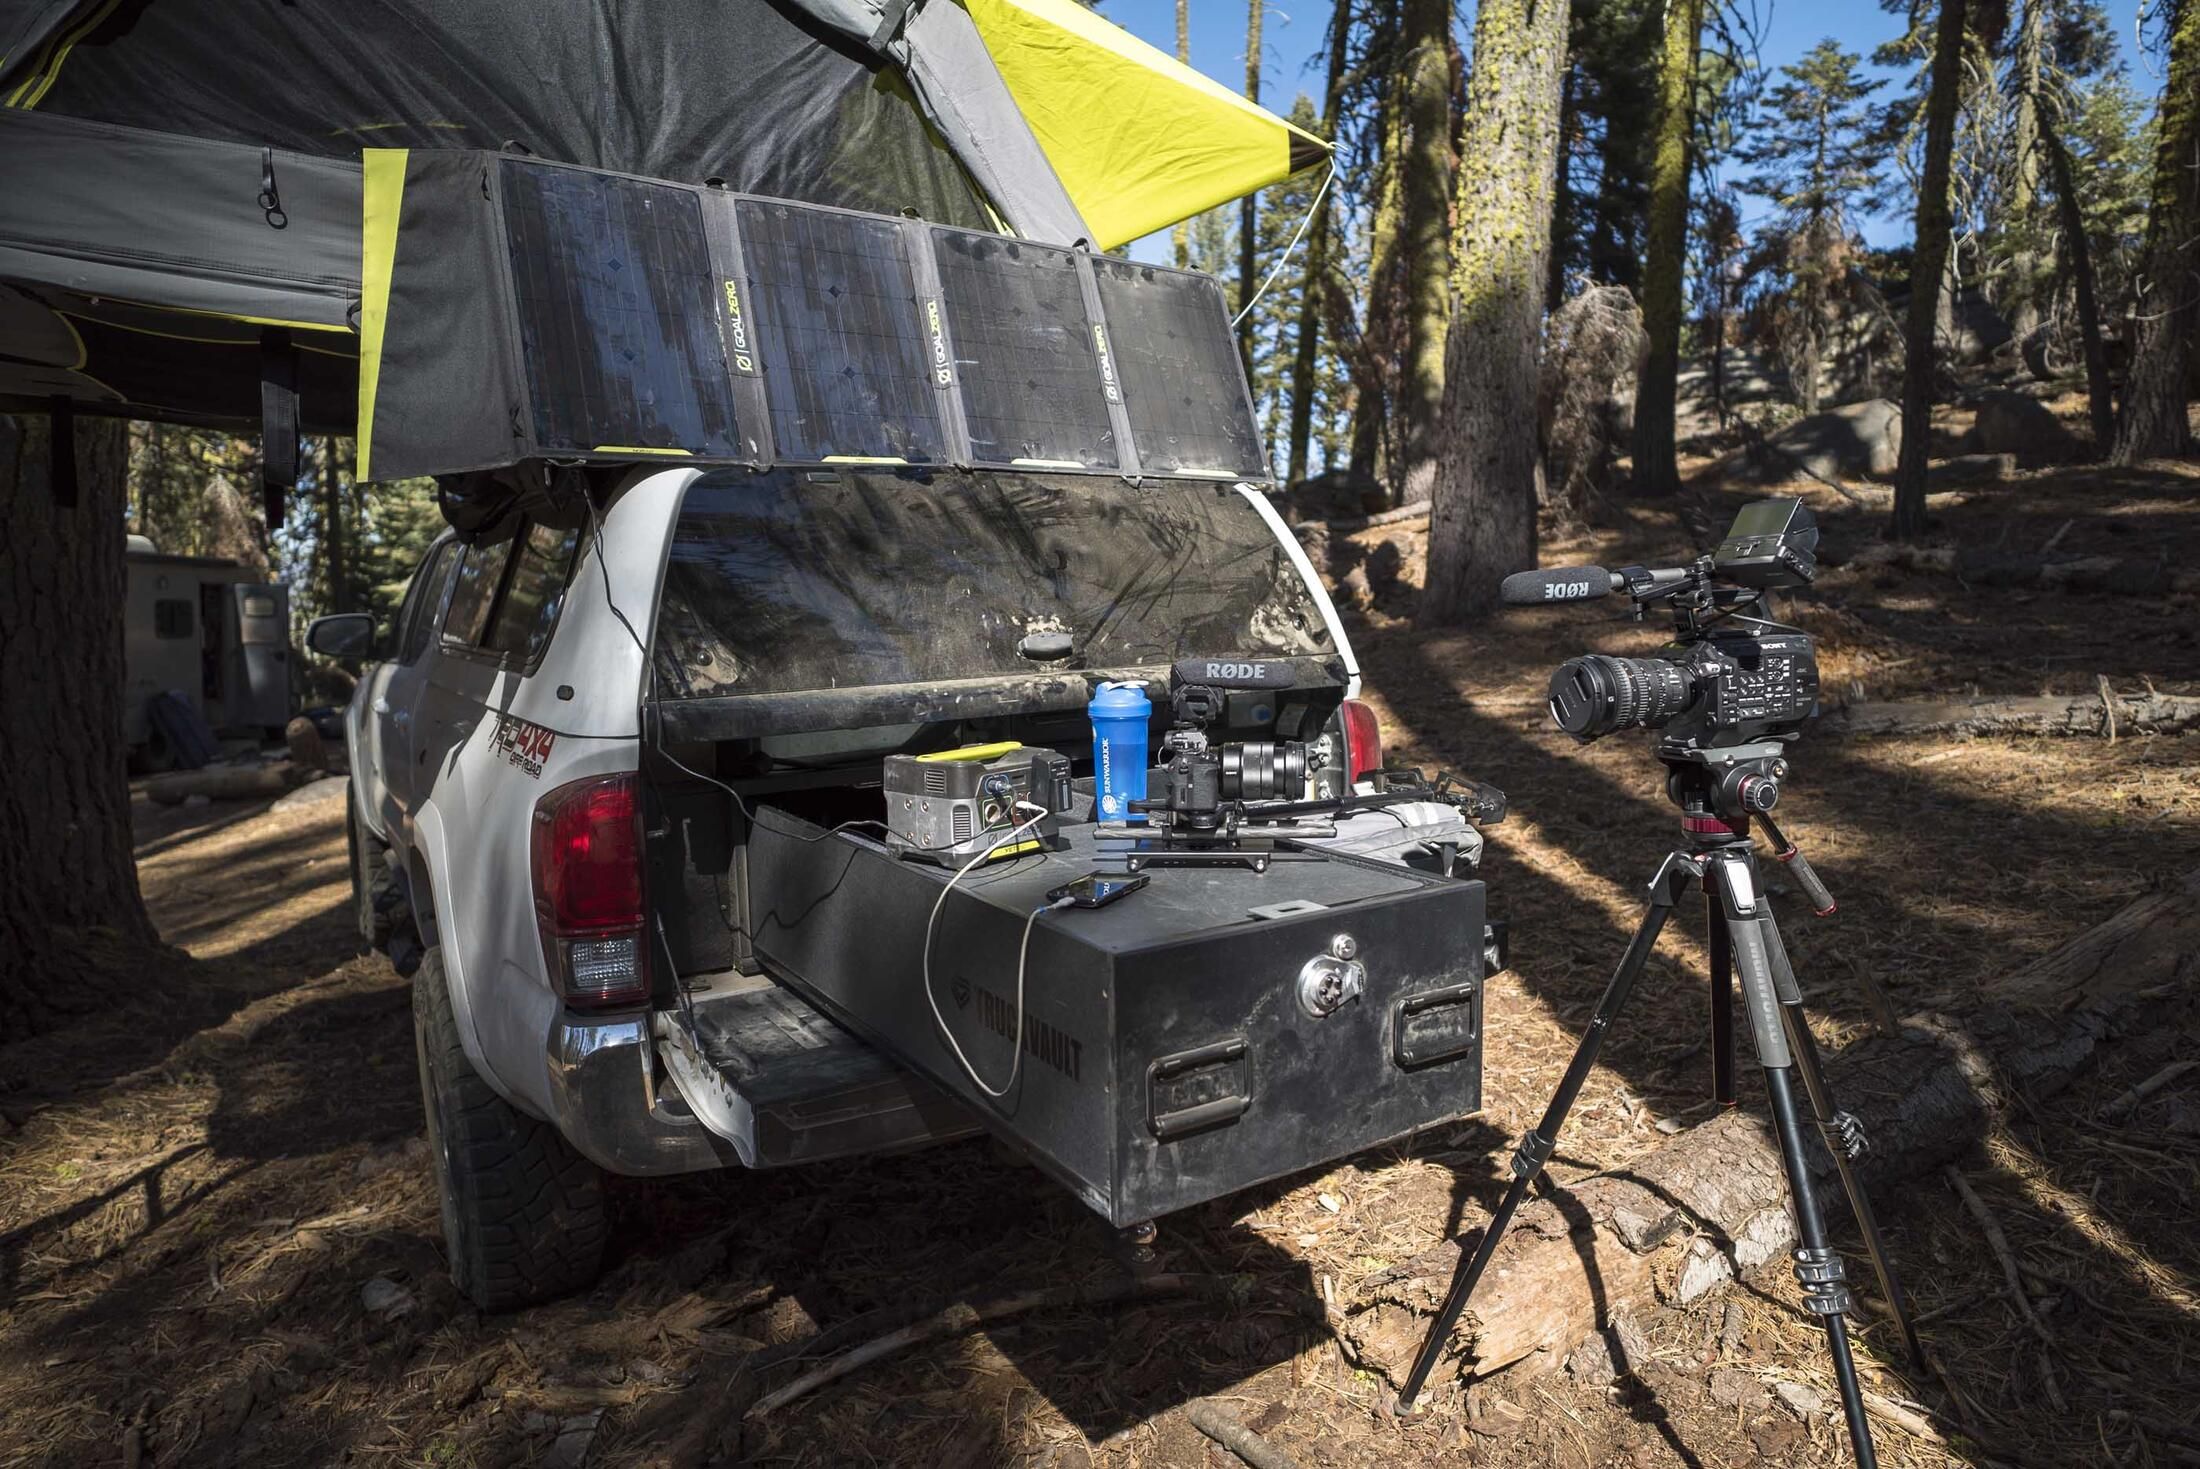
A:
(2052, 714)
(1691, 1214)
(2132, 576)
(227, 783)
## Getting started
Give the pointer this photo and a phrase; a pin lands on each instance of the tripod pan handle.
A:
(1821, 898)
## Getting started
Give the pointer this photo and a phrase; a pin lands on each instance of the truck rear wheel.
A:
(523, 1214)
(366, 859)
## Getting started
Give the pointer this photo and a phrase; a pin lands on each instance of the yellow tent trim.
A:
(382, 195)
(33, 89)
(1138, 139)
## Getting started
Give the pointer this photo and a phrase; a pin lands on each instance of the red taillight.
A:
(586, 853)
(1363, 740)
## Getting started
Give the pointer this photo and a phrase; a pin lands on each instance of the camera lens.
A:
(1262, 770)
(1592, 696)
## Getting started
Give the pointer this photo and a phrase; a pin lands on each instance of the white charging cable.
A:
(1022, 951)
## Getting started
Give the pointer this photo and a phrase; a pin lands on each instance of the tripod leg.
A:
(1844, 1135)
(1722, 998)
(1817, 1267)
(1536, 1148)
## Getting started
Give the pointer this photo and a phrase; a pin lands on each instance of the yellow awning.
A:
(1138, 139)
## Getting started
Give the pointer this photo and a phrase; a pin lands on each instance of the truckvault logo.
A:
(1047, 1044)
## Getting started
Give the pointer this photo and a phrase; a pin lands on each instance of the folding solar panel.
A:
(840, 336)
(618, 317)
(518, 310)
(1025, 351)
(1181, 377)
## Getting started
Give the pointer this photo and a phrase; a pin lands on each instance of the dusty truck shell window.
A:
(790, 580)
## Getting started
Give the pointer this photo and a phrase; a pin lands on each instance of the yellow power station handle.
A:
(976, 752)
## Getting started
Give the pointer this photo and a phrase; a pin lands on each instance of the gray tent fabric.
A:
(939, 50)
(175, 221)
(781, 97)
(200, 156)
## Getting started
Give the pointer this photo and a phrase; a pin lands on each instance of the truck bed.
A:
(764, 1069)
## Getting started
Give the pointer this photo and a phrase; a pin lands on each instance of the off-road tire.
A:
(523, 1214)
(372, 915)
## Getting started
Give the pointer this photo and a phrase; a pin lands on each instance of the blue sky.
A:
(1293, 63)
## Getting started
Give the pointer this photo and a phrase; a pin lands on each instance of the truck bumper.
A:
(604, 1099)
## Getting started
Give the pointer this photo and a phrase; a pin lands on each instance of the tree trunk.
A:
(1562, 188)
(1665, 249)
(1306, 348)
(1928, 262)
(2154, 424)
(1482, 516)
(2024, 192)
(1374, 438)
(1183, 233)
(1424, 245)
(66, 871)
(332, 530)
(2100, 398)
(1249, 209)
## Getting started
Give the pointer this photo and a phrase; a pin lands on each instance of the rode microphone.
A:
(1546, 585)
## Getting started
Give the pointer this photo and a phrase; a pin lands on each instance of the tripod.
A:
(1719, 801)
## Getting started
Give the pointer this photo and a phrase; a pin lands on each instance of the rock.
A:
(1334, 495)
(1803, 1400)
(384, 1297)
(1855, 440)
(327, 790)
(570, 1449)
(1967, 469)
(1733, 1388)
(1619, 1350)
(2011, 423)
(1778, 1441)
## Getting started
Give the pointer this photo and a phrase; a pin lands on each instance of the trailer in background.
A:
(211, 632)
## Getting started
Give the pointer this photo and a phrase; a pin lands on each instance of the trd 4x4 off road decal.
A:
(522, 744)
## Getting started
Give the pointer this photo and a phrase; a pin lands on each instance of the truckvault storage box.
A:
(1166, 1056)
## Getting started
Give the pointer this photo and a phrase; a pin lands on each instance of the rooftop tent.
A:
(182, 226)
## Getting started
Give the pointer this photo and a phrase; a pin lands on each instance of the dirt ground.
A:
(218, 1232)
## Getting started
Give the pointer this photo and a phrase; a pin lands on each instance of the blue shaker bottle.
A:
(1119, 712)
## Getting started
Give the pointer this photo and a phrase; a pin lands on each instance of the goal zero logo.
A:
(737, 331)
(943, 372)
(1107, 363)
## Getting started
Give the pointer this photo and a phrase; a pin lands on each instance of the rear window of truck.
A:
(791, 580)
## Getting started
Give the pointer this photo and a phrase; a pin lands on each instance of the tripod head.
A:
(1720, 791)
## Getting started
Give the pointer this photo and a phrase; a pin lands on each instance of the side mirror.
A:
(345, 635)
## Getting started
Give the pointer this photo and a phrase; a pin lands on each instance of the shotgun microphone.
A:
(1545, 585)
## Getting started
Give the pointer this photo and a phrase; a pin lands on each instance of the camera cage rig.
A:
(1208, 811)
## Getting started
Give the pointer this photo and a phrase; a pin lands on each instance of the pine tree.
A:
(1482, 514)
(1928, 263)
(1424, 245)
(1665, 251)
(1249, 207)
(1183, 233)
(66, 872)
(1816, 155)
(2153, 423)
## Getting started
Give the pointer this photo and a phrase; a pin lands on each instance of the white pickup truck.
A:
(579, 716)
